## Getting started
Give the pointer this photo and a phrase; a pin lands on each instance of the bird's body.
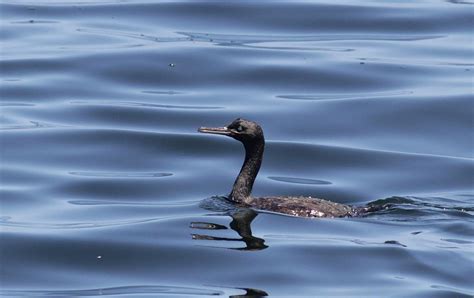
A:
(302, 206)
(251, 135)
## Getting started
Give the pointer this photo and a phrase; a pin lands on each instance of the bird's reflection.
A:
(241, 223)
(249, 292)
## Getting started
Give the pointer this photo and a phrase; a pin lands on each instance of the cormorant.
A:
(251, 136)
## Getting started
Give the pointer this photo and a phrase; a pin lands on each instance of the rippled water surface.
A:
(108, 189)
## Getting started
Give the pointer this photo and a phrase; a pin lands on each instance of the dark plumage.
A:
(251, 136)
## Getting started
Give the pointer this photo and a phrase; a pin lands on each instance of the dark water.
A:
(106, 187)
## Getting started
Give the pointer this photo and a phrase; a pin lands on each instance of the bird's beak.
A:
(215, 130)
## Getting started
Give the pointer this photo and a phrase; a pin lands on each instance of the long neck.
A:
(244, 182)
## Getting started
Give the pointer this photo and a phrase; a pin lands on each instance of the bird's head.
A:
(240, 129)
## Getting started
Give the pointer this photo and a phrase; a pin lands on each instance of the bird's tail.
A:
(370, 208)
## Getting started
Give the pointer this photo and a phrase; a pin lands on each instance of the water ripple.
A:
(238, 39)
(6, 221)
(124, 290)
(162, 92)
(32, 125)
(34, 22)
(132, 35)
(299, 180)
(347, 96)
(241, 40)
(104, 203)
(147, 105)
(16, 104)
(121, 174)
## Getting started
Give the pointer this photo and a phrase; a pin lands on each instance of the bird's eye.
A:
(240, 128)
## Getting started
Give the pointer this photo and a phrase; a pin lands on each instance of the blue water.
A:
(108, 189)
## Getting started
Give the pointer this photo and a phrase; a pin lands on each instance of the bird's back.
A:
(302, 206)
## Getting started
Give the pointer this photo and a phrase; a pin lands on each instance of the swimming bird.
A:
(250, 134)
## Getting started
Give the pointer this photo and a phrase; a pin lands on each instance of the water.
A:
(108, 189)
